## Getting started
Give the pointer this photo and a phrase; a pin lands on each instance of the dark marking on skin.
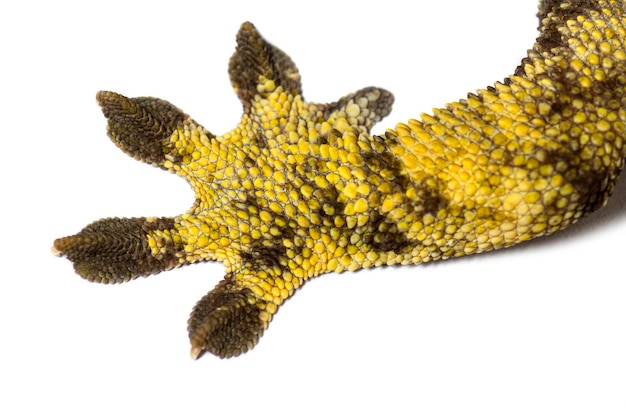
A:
(322, 140)
(386, 160)
(330, 205)
(577, 8)
(593, 188)
(378, 108)
(383, 236)
(550, 37)
(269, 250)
(590, 184)
(285, 232)
(431, 201)
(261, 255)
(556, 108)
(251, 204)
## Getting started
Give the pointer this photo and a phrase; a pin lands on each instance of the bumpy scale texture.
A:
(299, 189)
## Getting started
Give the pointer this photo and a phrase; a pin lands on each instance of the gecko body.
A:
(299, 189)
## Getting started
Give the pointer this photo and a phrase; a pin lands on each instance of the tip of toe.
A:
(195, 352)
(56, 250)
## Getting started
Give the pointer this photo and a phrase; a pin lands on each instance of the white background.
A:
(539, 325)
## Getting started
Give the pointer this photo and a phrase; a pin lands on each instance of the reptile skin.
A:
(299, 189)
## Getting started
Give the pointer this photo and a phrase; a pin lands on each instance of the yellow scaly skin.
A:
(299, 189)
